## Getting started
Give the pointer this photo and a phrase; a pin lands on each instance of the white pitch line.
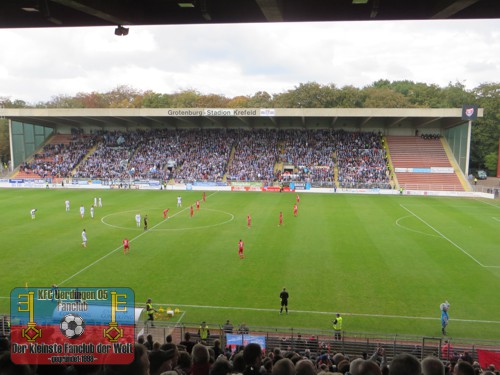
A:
(447, 239)
(412, 230)
(118, 248)
(326, 313)
(315, 312)
(489, 204)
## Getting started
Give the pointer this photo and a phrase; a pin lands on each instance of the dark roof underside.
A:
(71, 13)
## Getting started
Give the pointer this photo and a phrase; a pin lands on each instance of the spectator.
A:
(267, 366)
(463, 368)
(201, 360)
(367, 367)
(284, 367)
(7, 367)
(221, 367)
(184, 363)
(187, 343)
(405, 364)
(227, 327)
(160, 361)
(305, 367)
(252, 354)
(238, 363)
(175, 357)
(149, 342)
(432, 366)
(139, 366)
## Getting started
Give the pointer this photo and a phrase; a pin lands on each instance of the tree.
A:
(4, 141)
(185, 99)
(486, 132)
(212, 101)
(123, 96)
(62, 101)
(308, 95)
(384, 98)
(238, 102)
(5, 102)
(261, 99)
(91, 100)
(455, 96)
(350, 97)
(152, 99)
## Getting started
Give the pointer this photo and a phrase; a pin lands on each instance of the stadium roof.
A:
(249, 118)
(71, 13)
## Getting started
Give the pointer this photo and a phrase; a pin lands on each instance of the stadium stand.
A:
(362, 161)
(419, 155)
(58, 157)
(334, 158)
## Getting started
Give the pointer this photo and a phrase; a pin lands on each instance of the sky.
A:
(242, 59)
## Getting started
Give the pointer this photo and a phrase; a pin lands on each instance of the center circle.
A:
(177, 221)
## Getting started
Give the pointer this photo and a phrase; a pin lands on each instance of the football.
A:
(72, 326)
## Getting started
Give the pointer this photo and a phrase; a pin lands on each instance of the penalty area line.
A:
(328, 313)
(447, 239)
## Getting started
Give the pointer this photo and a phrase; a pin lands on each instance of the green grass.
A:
(384, 262)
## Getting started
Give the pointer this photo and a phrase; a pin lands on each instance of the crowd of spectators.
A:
(204, 155)
(311, 152)
(59, 160)
(255, 155)
(110, 158)
(189, 357)
(361, 160)
(155, 151)
(189, 155)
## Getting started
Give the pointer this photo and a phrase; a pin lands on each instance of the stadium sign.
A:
(222, 112)
(72, 325)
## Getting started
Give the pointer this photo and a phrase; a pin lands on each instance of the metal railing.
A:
(317, 342)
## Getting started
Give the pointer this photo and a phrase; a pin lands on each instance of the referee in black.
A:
(284, 301)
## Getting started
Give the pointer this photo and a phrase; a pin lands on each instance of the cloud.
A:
(231, 60)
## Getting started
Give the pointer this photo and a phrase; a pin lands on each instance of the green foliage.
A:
(308, 95)
(185, 99)
(4, 141)
(384, 262)
(155, 100)
(491, 162)
(385, 98)
(261, 99)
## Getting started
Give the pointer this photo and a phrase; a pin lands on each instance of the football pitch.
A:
(384, 262)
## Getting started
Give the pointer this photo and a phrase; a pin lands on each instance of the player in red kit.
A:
(295, 210)
(197, 205)
(165, 213)
(297, 198)
(204, 197)
(240, 249)
(126, 246)
(191, 210)
(249, 221)
(281, 219)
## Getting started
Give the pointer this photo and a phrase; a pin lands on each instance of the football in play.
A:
(72, 326)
